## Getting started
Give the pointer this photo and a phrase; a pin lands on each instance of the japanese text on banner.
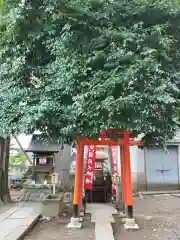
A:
(90, 164)
(114, 160)
(114, 169)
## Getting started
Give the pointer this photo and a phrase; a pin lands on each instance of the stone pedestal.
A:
(75, 223)
(130, 224)
(122, 215)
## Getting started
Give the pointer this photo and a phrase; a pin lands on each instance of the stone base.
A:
(81, 219)
(81, 214)
(123, 220)
(75, 223)
(122, 215)
(130, 224)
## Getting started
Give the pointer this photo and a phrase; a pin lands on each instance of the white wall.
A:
(133, 157)
(137, 168)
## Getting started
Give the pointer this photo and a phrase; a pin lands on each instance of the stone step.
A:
(103, 231)
(16, 222)
(99, 219)
(101, 215)
(8, 213)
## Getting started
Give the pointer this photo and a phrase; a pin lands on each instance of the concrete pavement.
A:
(101, 215)
(15, 222)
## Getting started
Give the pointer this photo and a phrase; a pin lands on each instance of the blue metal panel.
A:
(154, 163)
(161, 169)
(170, 169)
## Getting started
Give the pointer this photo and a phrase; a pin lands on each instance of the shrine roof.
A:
(101, 155)
(37, 145)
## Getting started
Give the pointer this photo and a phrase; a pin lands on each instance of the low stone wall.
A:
(36, 192)
(57, 205)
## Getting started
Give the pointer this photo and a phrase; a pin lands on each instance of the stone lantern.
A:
(54, 181)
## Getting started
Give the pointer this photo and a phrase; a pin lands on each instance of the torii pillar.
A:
(126, 182)
(75, 221)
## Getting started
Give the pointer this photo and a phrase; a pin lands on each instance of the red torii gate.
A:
(124, 140)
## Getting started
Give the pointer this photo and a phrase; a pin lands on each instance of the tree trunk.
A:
(4, 165)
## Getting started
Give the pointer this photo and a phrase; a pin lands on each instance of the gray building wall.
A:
(62, 163)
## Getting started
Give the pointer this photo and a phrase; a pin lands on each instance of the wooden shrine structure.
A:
(43, 159)
(124, 140)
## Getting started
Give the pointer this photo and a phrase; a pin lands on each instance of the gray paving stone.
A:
(8, 213)
(103, 231)
(29, 220)
(17, 233)
(101, 214)
(16, 221)
(22, 213)
(7, 226)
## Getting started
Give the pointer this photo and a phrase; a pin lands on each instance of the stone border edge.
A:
(29, 227)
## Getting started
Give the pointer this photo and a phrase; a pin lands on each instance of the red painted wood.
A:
(78, 174)
(123, 178)
(120, 142)
(127, 164)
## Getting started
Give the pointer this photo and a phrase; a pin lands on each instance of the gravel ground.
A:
(56, 229)
(157, 216)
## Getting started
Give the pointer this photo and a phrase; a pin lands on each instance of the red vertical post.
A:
(81, 156)
(123, 179)
(82, 175)
(128, 188)
(78, 179)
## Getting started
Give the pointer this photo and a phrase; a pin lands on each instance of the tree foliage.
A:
(75, 67)
(18, 160)
(16, 155)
